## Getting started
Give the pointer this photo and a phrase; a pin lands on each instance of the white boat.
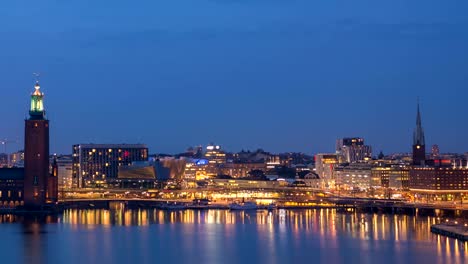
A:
(243, 206)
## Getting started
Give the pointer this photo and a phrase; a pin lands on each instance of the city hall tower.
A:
(36, 152)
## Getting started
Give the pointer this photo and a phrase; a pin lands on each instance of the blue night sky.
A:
(283, 75)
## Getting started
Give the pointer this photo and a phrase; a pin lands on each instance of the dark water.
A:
(217, 236)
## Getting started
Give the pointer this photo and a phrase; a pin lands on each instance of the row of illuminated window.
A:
(9, 194)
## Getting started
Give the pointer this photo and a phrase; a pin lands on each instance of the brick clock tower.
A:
(36, 155)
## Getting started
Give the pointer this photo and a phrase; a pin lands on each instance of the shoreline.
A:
(451, 213)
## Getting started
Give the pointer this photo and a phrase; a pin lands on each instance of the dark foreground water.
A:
(218, 236)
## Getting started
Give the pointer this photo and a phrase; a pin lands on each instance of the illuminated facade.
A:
(239, 170)
(324, 167)
(354, 176)
(195, 169)
(170, 168)
(272, 162)
(11, 187)
(215, 155)
(394, 177)
(439, 179)
(64, 171)
(352, 150)
(245, 184)
(216, 159)
(139, 175)
(94, 164)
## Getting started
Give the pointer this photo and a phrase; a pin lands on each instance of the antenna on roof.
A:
(36, 76)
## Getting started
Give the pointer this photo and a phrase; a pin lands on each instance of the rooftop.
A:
(11, 173)
(92, 145)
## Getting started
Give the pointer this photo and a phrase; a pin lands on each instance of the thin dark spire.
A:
(419, 132)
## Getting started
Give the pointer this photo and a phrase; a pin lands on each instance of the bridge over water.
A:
(355, 204)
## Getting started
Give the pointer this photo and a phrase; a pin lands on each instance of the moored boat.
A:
(173, 206)
(243, 206)
(199, 204)
(272, 206)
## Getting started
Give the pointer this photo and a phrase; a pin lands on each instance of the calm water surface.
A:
(220, 236)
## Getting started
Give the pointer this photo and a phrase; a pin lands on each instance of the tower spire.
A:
(419, 142)
(37, 103)
(419, 132)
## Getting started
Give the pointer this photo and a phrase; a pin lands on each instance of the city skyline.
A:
(17, 141)
(172, 81)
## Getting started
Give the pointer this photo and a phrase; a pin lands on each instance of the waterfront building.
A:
(170, 168)
(11, 187)
(245, 183)
(442, 179)
(195, 169)
(324, 167)
(352, 150)
(140, 174)
(36, 155)
(354, 176)
(391, 176)
(147, 174)
(95, 164)
(240, 170)
(64, 171)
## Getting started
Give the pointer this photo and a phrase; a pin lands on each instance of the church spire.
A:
(419, 143)
(37, 103)
(419, 132)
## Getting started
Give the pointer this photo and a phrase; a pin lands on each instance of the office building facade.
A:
(352, 150)
(94, 164)
(324, 167)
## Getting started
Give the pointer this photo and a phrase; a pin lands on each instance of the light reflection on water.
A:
(214, 236)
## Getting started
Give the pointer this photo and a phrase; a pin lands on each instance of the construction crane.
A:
(5, 142)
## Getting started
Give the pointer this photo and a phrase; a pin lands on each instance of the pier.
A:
(458, 231)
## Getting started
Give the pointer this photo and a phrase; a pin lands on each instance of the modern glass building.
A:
(94, 164)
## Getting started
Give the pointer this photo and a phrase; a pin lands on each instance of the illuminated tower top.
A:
(418, 138)
(37, 111)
